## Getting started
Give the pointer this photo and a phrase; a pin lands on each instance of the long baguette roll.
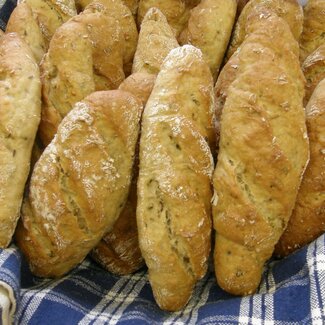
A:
(80, 183)
(263, 154)
(313, 34)
(156, 40)
(314, 70)
(290, 10)
(20, 109)
(36, 21)
(80, 60)
(118, 251)
(174, 193)
(307, 221)
(209, 29)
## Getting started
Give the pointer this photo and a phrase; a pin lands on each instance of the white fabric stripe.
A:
(257, 309)
(113, 297)
(244, 311)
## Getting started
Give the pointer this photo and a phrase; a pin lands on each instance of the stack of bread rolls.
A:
(160, 129)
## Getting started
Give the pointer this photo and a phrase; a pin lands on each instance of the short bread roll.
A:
(20, 109)
(314, 70)
(313, 34)
(307, 221)
(36, 21)
(79, 61)
(80, 183)
(174, 193)
(118, 251)
(156, 40)
(209, 28)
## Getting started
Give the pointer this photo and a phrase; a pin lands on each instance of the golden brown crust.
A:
(209, 28)
(240, 6)
(289, 10)
(307, 221)
(118, 251)
(313, 34)
(263, 153)
(268, 34)
(77, 64)
(35, 21)
(79, 185)
(156, 40)
(314, 71)
(20, 108)
(174, 193)
(176, 12)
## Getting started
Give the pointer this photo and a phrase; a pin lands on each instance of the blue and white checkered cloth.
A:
(292, 292)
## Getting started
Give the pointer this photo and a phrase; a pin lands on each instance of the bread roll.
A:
(263, 151)
(80, 184)
(176, 11)
(269, 35)
(173, 212)
(80, 60)
(20, 107)
(118, 251)
(314, 70)
(209, 28)
(156, 40)
(35, 21)
(313, 28)
(289, 10)
(118, 11)
(307, 221)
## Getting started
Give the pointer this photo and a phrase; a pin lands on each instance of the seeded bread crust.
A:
(20, 109)
(80, 183)
(174, 193)
(307, 221)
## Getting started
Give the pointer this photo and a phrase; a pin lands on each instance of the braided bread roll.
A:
(290, 10)
(118, 251)
(35, 21)
(209, 29)
(314, 71)
(173, 213)
(20, 108)
(79, 61)
(263, 26)
(262, 156)
(307, 221)
(80, 184)
(156, 40)
(313, 28)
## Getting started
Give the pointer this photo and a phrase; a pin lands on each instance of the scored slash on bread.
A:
(20, 109)
(80, 183)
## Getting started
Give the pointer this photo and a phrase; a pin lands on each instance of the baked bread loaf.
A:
(177, 12)
(20, 105)
(117, 10)
(307, 221)
(263, 151)
(156, 40)
(80, 184)
(290, 10)
(80, 60)
(118, 251)
(35, 21)
(209, 29)
(313, 28)
(314, 70)
(263, 28)
(174, 193)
